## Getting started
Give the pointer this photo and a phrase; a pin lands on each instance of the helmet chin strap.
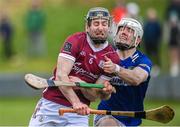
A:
(124, 46)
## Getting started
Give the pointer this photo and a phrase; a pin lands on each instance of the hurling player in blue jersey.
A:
(131, 79)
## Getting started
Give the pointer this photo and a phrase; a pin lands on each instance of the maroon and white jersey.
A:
(88, 62)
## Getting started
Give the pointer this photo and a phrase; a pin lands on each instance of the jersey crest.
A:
(67, 47)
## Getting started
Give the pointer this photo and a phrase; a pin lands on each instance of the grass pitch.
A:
(17, 111)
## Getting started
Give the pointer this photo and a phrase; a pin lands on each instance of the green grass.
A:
(17, 111)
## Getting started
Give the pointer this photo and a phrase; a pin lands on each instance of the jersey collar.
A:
(102, 46)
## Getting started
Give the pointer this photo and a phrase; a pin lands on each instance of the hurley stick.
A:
(37, 82)
(163, 114)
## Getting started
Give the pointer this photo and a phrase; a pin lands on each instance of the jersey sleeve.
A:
(71, 48)
(145, 64)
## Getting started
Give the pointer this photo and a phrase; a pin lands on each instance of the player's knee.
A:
(108, 122)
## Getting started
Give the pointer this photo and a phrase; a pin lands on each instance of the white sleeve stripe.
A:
(67, 56)
(146, 66)
(105, 77)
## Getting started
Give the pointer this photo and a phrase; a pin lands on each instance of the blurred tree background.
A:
(64, 17)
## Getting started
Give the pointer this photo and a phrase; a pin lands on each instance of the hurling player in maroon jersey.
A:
(80, 59)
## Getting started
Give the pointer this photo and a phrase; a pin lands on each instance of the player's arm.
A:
(134, 76)
(103, 94)
(88, 93)
(85, 92)
(64, 67)
(93, 93)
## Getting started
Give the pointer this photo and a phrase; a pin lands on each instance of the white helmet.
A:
(138, 32)
(133, 24)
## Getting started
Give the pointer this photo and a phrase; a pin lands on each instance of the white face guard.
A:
(138, 32)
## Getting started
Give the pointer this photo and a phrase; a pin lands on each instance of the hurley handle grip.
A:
(92, 111)
(89, 85)
(66, 110)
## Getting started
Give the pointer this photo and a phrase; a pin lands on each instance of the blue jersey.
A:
(128, 97)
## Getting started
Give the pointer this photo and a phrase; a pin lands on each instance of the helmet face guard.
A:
(138, 33)
(99, 13)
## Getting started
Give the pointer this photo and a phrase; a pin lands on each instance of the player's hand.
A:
(105, 93)
(81, 109)
(108, 88)
(109, 66)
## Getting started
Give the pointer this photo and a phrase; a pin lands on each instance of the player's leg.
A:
(106, 120)
(46, 114)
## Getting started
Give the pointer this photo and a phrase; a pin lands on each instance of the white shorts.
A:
(46, 114)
